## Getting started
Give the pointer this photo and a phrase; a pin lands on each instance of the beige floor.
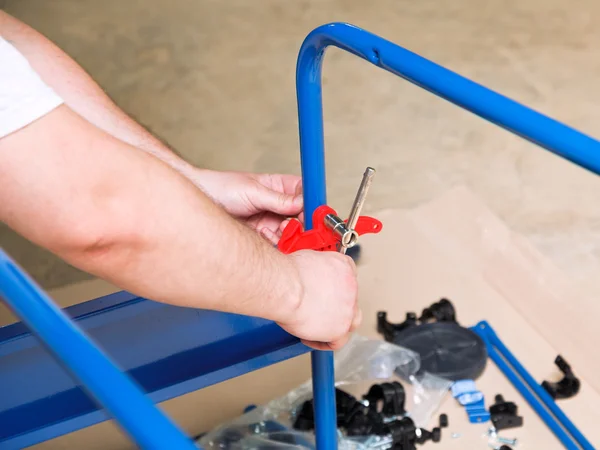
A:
(216, 79)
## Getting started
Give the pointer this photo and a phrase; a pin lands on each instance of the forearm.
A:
(126, 217)
(82, 94)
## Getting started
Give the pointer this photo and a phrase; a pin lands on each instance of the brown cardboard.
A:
(453, 247)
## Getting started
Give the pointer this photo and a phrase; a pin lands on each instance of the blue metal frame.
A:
(168, 351)
(508, 114)
(537, 128)
(111, 388)
(537, 397)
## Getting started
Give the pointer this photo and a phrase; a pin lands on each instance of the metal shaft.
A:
(348, 238)
(361, 195)
(359, 201)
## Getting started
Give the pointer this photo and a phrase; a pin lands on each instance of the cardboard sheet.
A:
(453, 247)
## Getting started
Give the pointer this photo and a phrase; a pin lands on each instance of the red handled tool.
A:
(330, 233)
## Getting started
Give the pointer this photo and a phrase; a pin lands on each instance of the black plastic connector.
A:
(442, 311)
(504, 414)
(389, 330)
(443, 420)
(567, 387)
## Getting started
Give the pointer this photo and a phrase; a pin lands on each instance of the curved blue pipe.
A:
(101, 379)
(508, 114)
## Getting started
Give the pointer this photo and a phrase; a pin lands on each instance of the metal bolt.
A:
(378, 442)
(370, 440)
(504, 440)
(350, 239)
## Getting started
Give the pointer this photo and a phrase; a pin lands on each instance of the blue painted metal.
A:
(168, 351)
(506, 113)
(134, 412)
(323, 380)
(542, 403)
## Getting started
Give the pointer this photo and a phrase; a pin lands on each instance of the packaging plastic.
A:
(361, 363)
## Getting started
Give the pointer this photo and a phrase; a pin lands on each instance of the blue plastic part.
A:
(470, 398)
(111, 388)
(536, 396)
(506, 113)
(462, 387)
(477, 412)
(467, 395)
(168, 351)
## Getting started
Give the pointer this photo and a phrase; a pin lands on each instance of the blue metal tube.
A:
(114, 390)
(312, 156)
(558, 421)
(525, 122)
(508, 114)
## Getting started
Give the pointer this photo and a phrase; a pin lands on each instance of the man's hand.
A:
(328, 310)
(263, 201)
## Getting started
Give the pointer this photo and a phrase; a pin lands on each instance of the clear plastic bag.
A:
(362, 360)
(427, 393)
(359, 364)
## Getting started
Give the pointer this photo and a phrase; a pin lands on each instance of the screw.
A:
(370, 440)
(501, 447)
(492, 432)
(456, 435)
(504, 440)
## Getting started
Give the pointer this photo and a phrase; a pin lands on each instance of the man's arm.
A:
(127, 217)
(82, 94)
(246, 196)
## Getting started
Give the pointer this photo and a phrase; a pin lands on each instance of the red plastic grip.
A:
(321, 238)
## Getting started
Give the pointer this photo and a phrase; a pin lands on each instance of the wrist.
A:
(290, 290)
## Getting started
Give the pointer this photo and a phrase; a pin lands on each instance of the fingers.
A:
(283, 224)
(338, 343)
(298, 188)
(282, 203)
(352, 265)
(358, 316)
(289, 184)
(328, 346)
(316, 345)
(269, 236)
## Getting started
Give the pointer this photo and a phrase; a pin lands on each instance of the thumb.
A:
(278, 202)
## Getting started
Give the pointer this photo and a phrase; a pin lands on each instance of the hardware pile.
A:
(449, 350)
(380, 414)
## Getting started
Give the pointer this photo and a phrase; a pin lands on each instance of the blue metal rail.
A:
(102, 379)
(14, 345)
(167, 351)
(537, 397)
(508, 114)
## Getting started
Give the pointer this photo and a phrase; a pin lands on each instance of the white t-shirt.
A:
(24, 97)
